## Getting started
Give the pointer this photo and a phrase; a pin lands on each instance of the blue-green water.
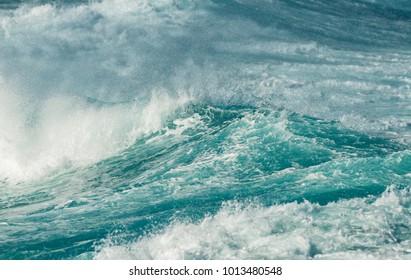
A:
(205, 129)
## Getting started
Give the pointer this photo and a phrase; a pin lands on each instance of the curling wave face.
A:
(277, 129)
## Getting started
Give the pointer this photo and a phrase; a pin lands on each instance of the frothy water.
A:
(205, 129)
(350, 229)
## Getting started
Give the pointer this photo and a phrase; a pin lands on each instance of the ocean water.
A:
(238, 129)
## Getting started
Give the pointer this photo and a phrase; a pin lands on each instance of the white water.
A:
(69, 132)
(348, 229)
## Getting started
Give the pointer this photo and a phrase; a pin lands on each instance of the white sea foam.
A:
(67, 131)
(354, 229)
(11, 126)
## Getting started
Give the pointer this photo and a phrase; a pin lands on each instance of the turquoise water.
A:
(205, 129)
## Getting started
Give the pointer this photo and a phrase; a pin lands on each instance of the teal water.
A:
(205, 129)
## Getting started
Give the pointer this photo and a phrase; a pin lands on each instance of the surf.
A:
(153, 123)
